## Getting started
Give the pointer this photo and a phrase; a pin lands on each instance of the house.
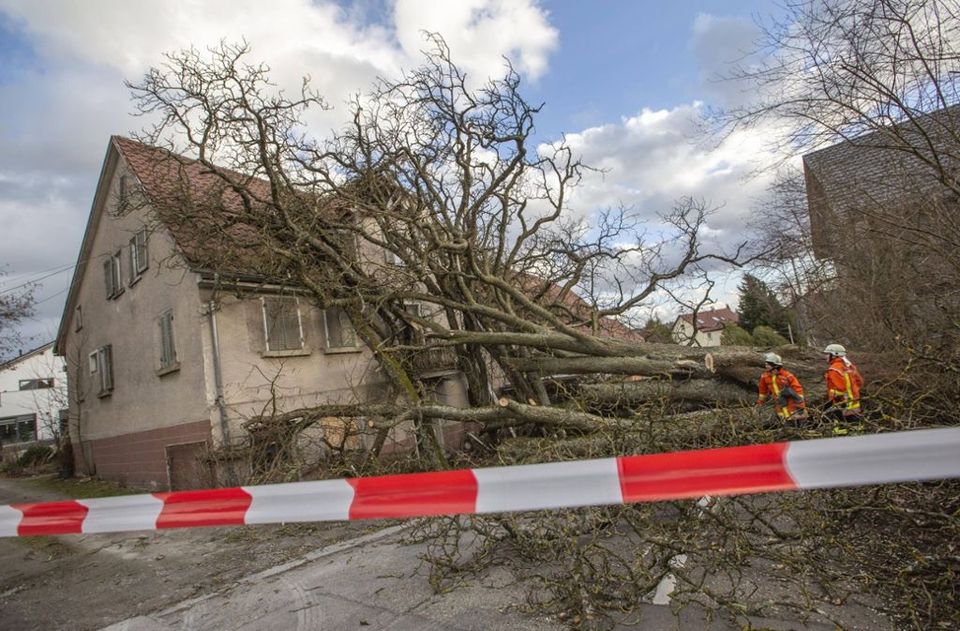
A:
(883, 210)
(169, 350)
(33, 397)
(897, 170)
(705, 329)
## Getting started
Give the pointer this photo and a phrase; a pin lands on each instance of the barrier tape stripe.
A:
(823, 463)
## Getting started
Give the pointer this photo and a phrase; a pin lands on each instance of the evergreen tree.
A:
(759, 306)
(656, 331)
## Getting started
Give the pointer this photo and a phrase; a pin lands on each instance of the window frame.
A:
(326, 334)
(113, 274)
(39, 383)
(302, 348)
(169, 361)
(139, 255)
(100, 363)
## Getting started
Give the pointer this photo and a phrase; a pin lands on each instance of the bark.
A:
(710, 392)
(608, 365)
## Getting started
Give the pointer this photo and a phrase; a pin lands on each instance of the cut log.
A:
(608, 365)
(711, 392)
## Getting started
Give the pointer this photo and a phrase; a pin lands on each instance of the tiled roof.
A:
(713, 320)
(207, 218)
(548, 293)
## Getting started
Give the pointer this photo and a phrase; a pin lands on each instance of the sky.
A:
(626, 83)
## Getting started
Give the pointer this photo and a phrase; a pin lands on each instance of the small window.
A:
(78, 318)
(139, 259)
(112, 275)
(101, 364)
(281, 324)
(168, 350)
(36, 384)
(121, 193)
(414, 308)
(338, 330)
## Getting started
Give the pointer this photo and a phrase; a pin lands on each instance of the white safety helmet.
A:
(835, 349)
(772, 358)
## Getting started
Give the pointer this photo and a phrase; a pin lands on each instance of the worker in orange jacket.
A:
(843, 384)
(781, 386)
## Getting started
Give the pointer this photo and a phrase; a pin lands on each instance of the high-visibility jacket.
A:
(843, 386)
(784, 388)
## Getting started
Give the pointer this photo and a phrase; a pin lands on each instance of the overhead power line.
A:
(37, 280)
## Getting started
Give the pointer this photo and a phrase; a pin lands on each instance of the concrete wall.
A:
(44, 403)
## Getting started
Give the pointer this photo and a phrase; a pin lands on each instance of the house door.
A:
(185, 466)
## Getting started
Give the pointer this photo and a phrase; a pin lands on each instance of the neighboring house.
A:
(883, 218)
(167, 355)
(33, 397)
(704, 330)
(874, 175)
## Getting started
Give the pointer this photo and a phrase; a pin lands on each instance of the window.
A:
(18, 429)
(138, 255)
(112, 276)
(281, 324)
(168, 350)
(78, 318)
(414, 308)
(123, 195)
(36, 384)
(338, 330)
(101, 367)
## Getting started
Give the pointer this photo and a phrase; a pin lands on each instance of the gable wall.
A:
(141, 399)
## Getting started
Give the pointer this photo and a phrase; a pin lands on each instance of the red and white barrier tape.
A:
(825, 463)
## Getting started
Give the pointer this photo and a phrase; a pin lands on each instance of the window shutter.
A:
(281, 319)
(168, 351)
(108, 276)
(117, 271)
(143, 259)
(107, 374)
(132, 273)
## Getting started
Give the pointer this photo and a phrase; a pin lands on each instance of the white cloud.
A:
(481, 32)
(650, 160)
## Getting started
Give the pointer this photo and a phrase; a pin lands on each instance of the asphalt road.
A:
(326, 576)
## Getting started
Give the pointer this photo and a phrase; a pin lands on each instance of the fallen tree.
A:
(436, 225)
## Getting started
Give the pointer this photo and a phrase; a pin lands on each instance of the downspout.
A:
(218, 386)
(217, 372)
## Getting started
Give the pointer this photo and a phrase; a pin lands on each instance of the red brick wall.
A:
(139, 458)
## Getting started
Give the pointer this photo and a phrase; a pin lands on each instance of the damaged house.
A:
(171, 345)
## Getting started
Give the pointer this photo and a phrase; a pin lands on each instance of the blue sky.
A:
(615, 58)
(625, 82)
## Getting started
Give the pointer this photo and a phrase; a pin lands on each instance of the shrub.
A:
(36, 455)
(765, 336)
(734, 335)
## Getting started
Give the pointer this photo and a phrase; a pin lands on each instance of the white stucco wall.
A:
(682, 332)
(45, 403)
